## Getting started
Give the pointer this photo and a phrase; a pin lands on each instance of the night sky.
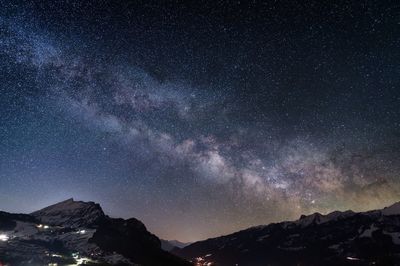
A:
(200, 118)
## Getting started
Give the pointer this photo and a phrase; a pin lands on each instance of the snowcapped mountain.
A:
(74, 233)
(338, 238)
(71, 213)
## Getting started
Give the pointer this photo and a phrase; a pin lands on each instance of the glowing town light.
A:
(80, 260)
(352, 258)
(4, 237)
(83, 260)
(42, 226)
(82, 232)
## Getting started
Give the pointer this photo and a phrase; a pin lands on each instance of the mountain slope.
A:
(70, 213)
(169, 245)
(73, 232)
(338, 238)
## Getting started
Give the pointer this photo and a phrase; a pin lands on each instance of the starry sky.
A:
(200, 118)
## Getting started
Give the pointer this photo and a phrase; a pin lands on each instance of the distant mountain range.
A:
(338, 238)
(169, 245)
(74, 233)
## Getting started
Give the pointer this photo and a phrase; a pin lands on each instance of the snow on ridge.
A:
(317, 218)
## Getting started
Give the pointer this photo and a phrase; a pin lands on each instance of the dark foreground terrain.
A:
(338, 238)
(74, 233)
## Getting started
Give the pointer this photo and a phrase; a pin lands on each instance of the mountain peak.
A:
(67, 200)
(70, 213)
(78, 231)
(393, 209)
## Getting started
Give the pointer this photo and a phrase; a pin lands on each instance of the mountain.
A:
(169, 245)
(70, 213)
(76, 232)
(338, 238)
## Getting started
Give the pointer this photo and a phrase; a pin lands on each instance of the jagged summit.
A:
(70, 213)
(318, 218)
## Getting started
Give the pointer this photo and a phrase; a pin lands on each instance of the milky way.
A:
(200, 119)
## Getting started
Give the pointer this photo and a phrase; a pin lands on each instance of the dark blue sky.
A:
(200, 118)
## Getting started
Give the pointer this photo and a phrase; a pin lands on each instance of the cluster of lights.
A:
(200, 261)
(82, 232)
(43, 226)
(4, 237)
(80, 260)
